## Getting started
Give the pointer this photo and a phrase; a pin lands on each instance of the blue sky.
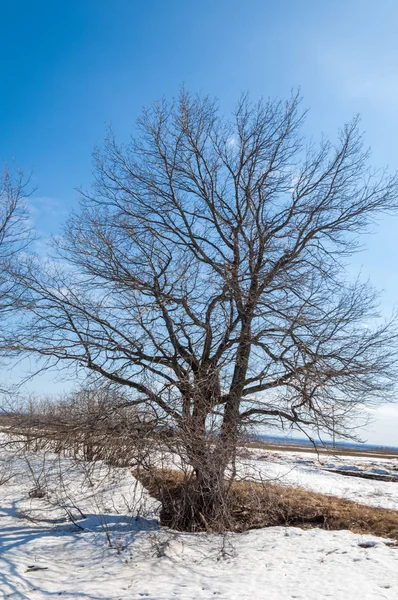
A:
(70, 69)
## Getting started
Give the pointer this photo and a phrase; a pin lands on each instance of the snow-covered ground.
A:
(313, 472)
(84, 540)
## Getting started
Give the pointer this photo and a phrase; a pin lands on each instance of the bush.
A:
(254, 505)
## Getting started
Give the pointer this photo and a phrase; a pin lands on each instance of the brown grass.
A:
(255, 505)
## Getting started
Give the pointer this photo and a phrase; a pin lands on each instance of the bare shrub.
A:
(263, 504)
(92, 424)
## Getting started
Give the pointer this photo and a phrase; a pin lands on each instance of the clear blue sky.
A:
(68, 69)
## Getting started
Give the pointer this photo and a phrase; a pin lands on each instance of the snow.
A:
(73, 559)
(309, 471)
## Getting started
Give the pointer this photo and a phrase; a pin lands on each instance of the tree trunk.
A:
(202, 498)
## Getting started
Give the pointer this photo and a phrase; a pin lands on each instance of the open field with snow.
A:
(95, 535)
(318, 473)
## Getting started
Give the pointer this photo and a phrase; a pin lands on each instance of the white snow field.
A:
(118, 551)
(312, 472)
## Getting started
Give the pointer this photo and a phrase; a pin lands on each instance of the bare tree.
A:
(15, 235)
(206, 272)
(14, 231)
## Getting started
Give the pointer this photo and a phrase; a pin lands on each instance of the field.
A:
(338, 451)
(93, 533)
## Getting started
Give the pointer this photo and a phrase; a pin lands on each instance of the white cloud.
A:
(386, 410)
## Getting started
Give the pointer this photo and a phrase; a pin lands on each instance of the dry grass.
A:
(264, 505)
(254, 505)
